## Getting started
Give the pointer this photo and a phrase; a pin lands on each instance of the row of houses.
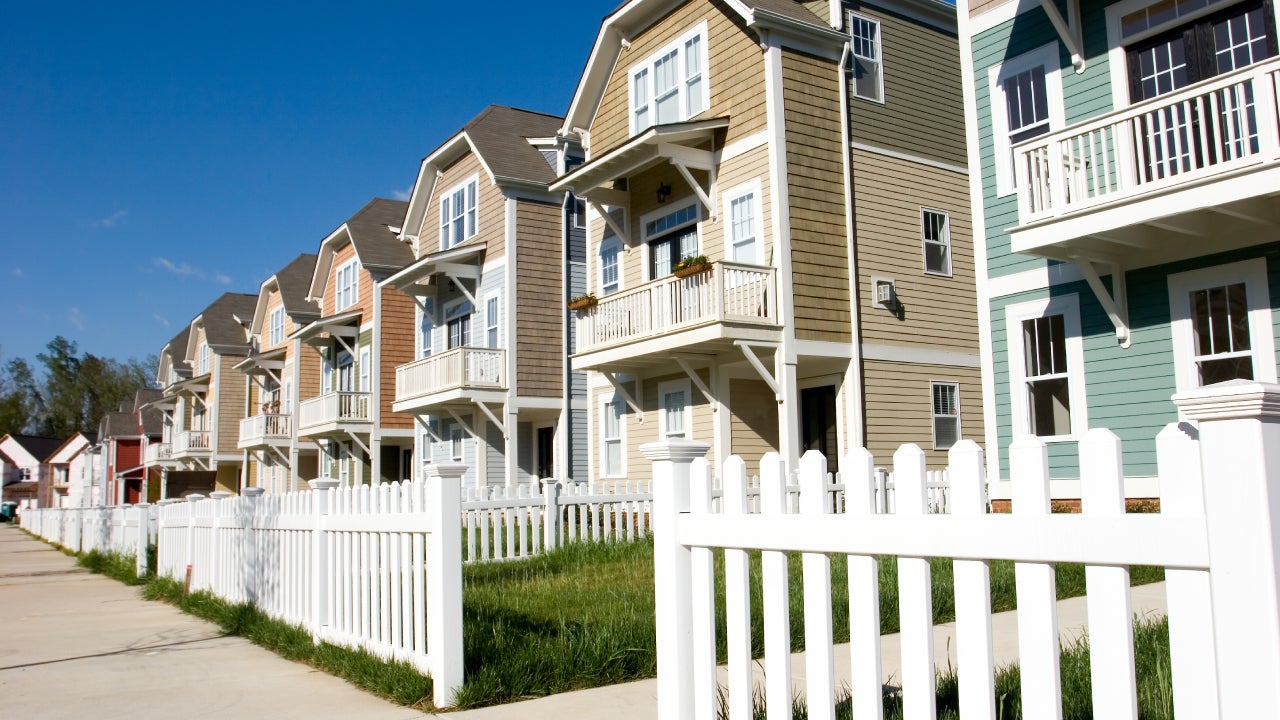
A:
(756, 226)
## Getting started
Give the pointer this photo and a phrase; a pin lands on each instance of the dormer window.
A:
(458, 214)
(276, 335)
(671, 85)
(346, 286)
(202, 359)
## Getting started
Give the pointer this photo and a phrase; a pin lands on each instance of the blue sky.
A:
(154, 156)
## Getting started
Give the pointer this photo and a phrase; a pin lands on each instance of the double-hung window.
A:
(1046, 368)
(673, 410)
(426, 324)
(670, 85)
(455, 444)
(611, 458)
(868, 67)
(1222, 327)
(609, 251)
(458, 214)
(935, 230)
(366, 371)
(946, 414)
(458, 322)
(346, 286)
(491, 321)
(202, 362)
(1026, 102)
(744, 224)
(276, 335)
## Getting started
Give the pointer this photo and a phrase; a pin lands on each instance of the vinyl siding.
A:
(230, 406)
(940, 312)
(978, 7)
(540, 298)
(753, 418)
(494, 458)
(815, 180)
(923, 109)
(636, 434)
(899, 407)
(490, 209)
(399, 338)
(735, 73)
(579, 447)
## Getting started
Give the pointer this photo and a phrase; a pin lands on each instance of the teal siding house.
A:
(1125, 214)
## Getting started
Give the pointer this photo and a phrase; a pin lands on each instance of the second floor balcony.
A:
(465, 373)
(159, 455)
(336, 412)
(1180, 175)
(266, 429)
(192, 443)
(705, 312)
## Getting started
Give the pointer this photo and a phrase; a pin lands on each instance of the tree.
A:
(20, 400)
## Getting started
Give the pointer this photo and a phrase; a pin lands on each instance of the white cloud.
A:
(164, 322)
(177, 268)
(403, 195)
(111, 220)
(220, 278)
(17, 272)
(75, 318)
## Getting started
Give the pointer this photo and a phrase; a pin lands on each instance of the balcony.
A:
(334, 413)
(1153, 182)
(707, 311)
(265, 429)
(461, 374)
(191, 443)
(159, 455)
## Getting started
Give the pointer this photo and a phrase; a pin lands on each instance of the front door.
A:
(818, 423)
(546, 452)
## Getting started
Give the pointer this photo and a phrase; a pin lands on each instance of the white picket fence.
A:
(1216, 536)
(120, 529)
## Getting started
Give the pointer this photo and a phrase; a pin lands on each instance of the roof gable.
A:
(292, 283)
(374, 232)
(224, 325)
(28, 450)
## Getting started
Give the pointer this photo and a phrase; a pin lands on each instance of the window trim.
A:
(933, 415)
(879, 52)
(338, 289)
(609, 240)
(613, 400)
(1068, 306)
(364, 374)
(670, 386)
(450, 314)
(444, 197)
(751, 188)
(578, 208)
(457, 446)
(202, 358)
(424, 314)
(1046, 56)
(668, 209)
(276, 323)
(924, 243)
(646, 66)
(1253, 273)
(493, 323)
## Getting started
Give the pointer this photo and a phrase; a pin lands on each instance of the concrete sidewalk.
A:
(75, 644)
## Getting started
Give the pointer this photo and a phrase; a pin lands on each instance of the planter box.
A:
(685, 272)
(582, 303)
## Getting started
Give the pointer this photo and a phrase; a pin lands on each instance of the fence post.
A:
(672, 574)
(444, 579)
(551, 515)
(141, 511)
(251, 573)
(189, 566)
(1239, 423)
(321, 496)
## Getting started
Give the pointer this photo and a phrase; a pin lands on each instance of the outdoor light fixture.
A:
(664, 192)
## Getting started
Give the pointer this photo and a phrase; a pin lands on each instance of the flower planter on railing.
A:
(1213, 127)
(334, 407)
(691, 270)
(466, 367)
(725, 292)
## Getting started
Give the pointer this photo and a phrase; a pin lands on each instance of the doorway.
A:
(546, 448)
(818, 423)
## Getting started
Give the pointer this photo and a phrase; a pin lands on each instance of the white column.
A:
(511, 456)
(321, 497)
(1239, 424)
(444, 579)
(672, 574)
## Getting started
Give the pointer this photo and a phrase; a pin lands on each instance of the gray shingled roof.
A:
(221, 328)
(178, 347)
(375, 244)
(788, 9)
(295, 283)
(500, 135)
(119, 424)
(152, 419)
(39, 447)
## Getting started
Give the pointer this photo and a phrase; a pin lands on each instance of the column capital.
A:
(253, 491)
(444, 470)
(323, 483)
(1231, 400)
(680, 451)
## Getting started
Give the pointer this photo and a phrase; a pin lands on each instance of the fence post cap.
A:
(194, 496)
(322, 483)
(1230, 400)
(171, 501)
(254, 491)
(444, 470)
(675, 450)
(219, 494)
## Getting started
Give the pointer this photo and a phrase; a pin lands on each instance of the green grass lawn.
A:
(583, 616)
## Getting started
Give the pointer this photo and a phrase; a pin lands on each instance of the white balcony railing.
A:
(1223, 124)
(157, 453)
(267, 426)
(465, 367)
(334, 407)
(191, 441)
(729, 292)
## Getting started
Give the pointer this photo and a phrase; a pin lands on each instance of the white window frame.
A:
(613, 401)
(667, 388)
(751, 189)
(365, 372)
(925, 242)
(1253, 273)
(425, 316)
(1117, 60)
(933, 414)
(878, 59)
(1046, 56)
(202, 358)
(610, 242)
(275, 335)
(646, 68)
(346, 285)
(493, 321)
(667, 209)
(578, 207)
(451, 313)
(457, 448)
(1068, 306)
(344, 464)
(470, 226)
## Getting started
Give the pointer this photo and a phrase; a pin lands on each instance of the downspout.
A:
(855, 433)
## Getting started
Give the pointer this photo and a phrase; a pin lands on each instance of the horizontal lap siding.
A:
(491, 213)
(978, 7)
(923, 109)
(940, 312)
(399, 338)
(701, 421)
(230, 391)
(309, 370)
(540, 313)
(899, 407)
(753, 417)
(815, 180)
(735, 73)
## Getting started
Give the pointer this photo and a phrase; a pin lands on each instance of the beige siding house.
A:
(489, 383)
(773, 266)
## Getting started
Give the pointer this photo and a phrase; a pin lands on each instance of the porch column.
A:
(511, 453)
(375, 457)
(788, 410)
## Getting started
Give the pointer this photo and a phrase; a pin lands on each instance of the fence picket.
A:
(737, 592)
(703, 607)
(819, 671)
(974, 653)
(1036, 588)
(915, 594)
(861, 498)
(775, 595)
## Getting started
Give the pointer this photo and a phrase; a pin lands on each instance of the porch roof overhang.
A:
(671, 143)
(341, 325)
(168, 402)
(455, 263)
(259, 363)
(193, 386)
